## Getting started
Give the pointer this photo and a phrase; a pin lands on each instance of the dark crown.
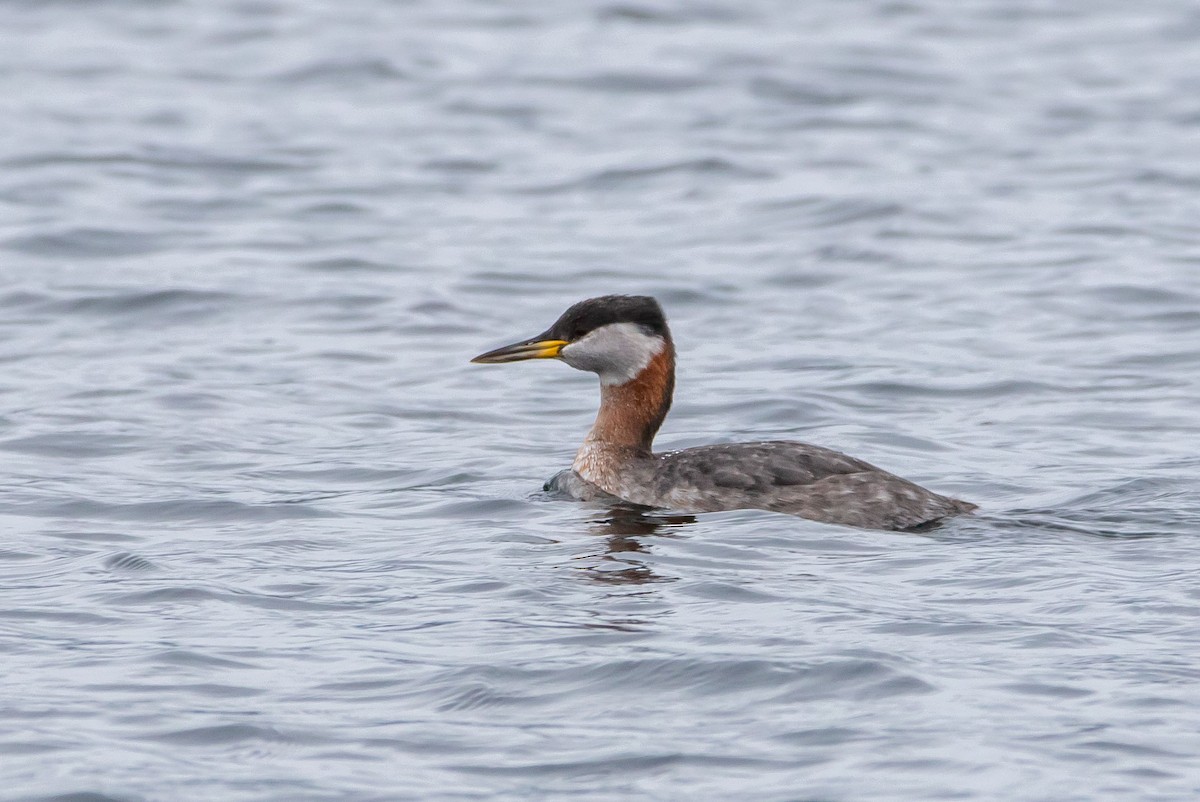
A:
(587, 316)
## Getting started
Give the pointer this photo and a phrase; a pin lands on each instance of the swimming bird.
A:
(625, 340)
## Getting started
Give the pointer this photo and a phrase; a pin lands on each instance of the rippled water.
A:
(268, 536)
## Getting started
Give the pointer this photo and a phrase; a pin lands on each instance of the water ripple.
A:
(88, 243)
(634, 177)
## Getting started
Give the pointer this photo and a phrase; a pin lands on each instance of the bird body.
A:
(781, 476)
(625, 340)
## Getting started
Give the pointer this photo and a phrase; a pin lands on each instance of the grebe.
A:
(625, 340)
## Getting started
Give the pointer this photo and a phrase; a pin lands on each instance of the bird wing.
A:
(800, 479)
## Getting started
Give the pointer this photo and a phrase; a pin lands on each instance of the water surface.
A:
(268, 536)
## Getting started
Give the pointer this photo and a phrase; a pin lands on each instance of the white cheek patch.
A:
(618, 352)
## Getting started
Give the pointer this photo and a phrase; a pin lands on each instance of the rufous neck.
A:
(631, 413)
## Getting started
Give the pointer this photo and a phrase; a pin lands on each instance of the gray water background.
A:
(266, 535)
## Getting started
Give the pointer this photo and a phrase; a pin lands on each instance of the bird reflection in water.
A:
(621, 527)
